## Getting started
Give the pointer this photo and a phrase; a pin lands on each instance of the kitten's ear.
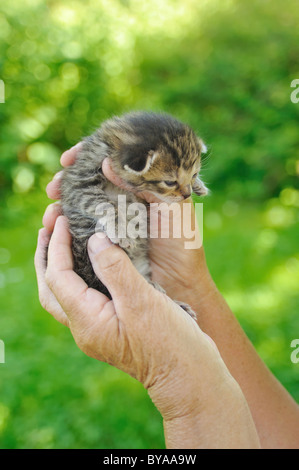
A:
(137, 162)
(203, 147)
(199, 188)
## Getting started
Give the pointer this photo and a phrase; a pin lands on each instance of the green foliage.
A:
(225, 67)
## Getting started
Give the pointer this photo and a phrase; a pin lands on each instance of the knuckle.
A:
(86, 342)
(44, 300)
(50, 278)
(115, 263)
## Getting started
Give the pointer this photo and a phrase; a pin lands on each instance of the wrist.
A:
(202, 406)
(194, 384)
(223, 421)
(199, 288)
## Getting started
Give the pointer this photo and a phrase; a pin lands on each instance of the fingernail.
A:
(56, 206)
(98, 242)
(58, 175)
(44, 235)
(78, 145)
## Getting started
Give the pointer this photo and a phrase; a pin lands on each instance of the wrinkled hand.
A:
(183, 273)
(141, 331)
(144, 333)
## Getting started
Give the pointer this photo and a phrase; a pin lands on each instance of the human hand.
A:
(155, 342)
(182, 272)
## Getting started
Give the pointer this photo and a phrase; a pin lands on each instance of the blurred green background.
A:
(223, 66)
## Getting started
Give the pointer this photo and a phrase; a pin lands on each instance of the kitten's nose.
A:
(186, 191)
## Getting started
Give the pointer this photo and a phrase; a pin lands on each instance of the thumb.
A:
(114, 268)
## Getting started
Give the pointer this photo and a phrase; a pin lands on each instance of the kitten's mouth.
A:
(168, 199)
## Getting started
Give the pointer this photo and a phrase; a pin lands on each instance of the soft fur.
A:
(152, 152)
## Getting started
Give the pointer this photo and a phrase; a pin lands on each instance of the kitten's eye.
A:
(170, 183)
(195, 174)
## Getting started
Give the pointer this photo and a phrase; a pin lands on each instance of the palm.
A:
(173, 265)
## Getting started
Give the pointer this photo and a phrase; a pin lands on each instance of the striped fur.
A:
(146, 150)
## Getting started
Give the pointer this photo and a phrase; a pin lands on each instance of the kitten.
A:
(149, 151)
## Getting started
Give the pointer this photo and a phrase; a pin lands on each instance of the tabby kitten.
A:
(149, 151)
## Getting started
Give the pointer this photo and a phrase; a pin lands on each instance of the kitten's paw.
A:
(157, 286)
(187, 309)
(126, 243)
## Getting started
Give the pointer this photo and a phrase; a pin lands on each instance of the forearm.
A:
(275, 413)
(225, 423)
(206, 411)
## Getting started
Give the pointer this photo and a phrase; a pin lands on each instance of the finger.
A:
(115, 269)
(47, 299)
(53, 188)
(69, 156)
(148, 196)
(50, 216)
(73, 294)
(115, 179)
(67, 159)
(40, 257)
(211, 341)
(111, 176)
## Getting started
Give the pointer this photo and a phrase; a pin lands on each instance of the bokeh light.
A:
(225, 67)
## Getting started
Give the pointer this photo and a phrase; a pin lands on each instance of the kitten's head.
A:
(156, 153)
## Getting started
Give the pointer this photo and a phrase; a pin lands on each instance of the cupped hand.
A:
(141, 331)
(182, 272)
(144, 333)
